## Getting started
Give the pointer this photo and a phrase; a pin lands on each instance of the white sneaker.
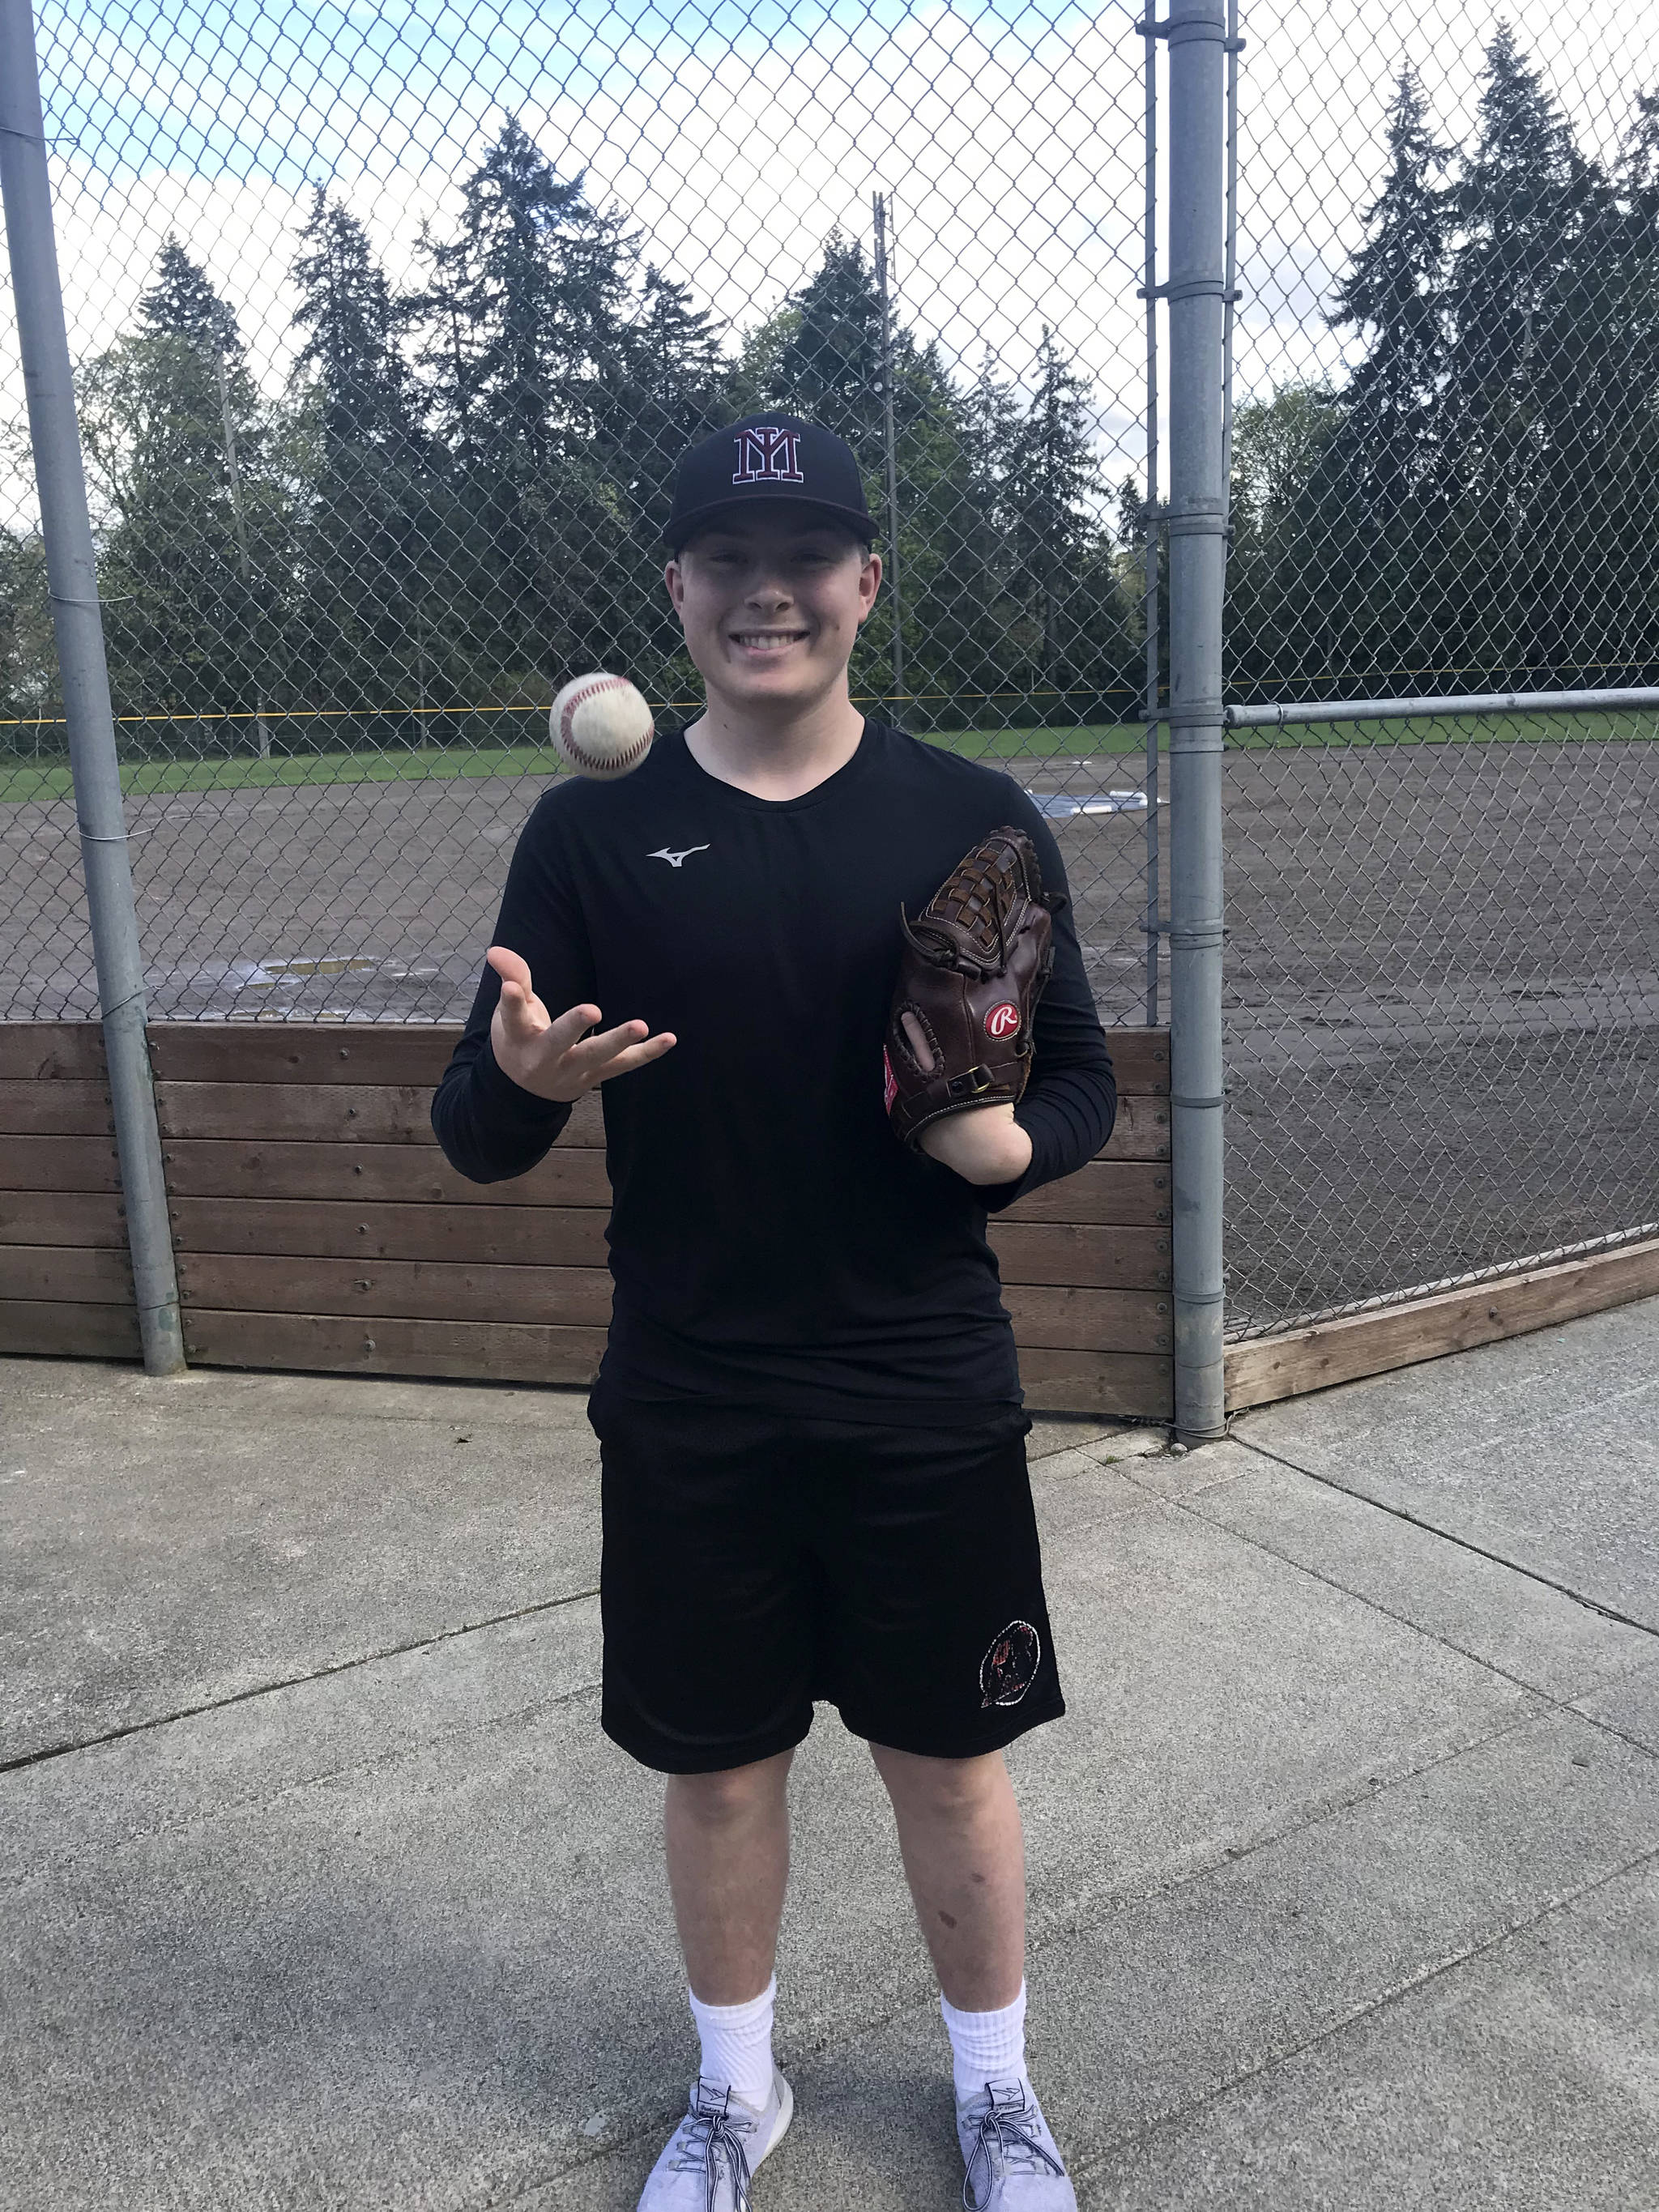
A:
(1013, 2164)
(716, 2149)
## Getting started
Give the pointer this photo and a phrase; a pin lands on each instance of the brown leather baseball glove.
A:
(975, 962)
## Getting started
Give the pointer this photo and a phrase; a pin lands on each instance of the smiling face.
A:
(771, 597)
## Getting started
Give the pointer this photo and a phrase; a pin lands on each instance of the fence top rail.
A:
(1283, 716)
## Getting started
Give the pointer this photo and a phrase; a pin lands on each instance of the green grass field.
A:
(49, 781)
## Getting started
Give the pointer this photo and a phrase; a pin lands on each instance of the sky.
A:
(735, 139)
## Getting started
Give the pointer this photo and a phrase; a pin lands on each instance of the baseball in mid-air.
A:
(602, 726)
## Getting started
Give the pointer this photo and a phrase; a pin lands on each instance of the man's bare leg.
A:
(728, 1840)
(964, 1857)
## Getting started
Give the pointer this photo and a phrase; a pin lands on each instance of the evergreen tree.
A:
(1373, 514)
(527, 343)
(29, 685)
(1528, 207)
(180, 303)
(830, 365)
(1076, 635)
(1395, 291)
(371, 641)
(197, 545)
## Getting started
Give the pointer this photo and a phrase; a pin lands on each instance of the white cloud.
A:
(1013, 150)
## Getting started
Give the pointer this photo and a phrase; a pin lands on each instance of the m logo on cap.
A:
(767, 455)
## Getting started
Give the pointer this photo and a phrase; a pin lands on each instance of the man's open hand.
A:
(558, 1060)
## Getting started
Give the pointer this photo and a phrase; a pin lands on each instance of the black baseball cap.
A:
(768, 457)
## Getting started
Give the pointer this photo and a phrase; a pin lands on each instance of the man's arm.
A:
(1070, 1102)
(518, 1069)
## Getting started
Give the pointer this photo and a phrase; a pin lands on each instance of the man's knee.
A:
(940, 1786)
(733, 1793)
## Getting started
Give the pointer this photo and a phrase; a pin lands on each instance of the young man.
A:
(809, 1411)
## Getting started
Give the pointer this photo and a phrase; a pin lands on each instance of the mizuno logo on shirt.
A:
(674, 859)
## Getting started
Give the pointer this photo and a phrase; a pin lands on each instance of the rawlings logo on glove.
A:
(973, 965)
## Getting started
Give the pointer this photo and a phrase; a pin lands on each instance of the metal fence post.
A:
(72, 575)
(1197, 31)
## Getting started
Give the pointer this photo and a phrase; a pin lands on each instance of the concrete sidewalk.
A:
(323, 1890)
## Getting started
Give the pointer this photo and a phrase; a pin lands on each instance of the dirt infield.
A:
(1443, 997)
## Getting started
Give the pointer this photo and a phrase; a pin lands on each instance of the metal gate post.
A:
(1196, 291)
(72, 575)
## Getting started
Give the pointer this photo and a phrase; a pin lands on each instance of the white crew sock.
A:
(737, 2045)
(986, 2047)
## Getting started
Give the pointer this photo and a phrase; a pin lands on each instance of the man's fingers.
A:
(638, 1055)
(567, 1029)
(512, 967)
(615, 1051)
(603, 1043)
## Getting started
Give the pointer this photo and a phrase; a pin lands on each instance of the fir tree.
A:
(197, 540)
(1529, 207)
(1394, 291)
(180, 303)
(372, 639)
(1053, 490)
(526, 318)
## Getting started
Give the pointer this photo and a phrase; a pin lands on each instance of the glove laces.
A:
(1003, 2139)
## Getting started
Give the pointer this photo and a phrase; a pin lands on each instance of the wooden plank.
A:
(323, 1112)
(1141, 1131)
(426, 1290)
(58, 1164)
(1126, 1191)
(1090, 1321)
(206, 1167)
(68, 1331)
(1085, 1255)
(67, 1106)
(523, 1236)
(60, 1217)
(1122, 1385)
(468, 1350)
(73, 1273)
(1274, 1367)
(45, 1052)
(310, 1113)
(406, 1053)
(1140, 1060)
(416, 1053)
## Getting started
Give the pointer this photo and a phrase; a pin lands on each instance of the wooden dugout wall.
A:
(317, 1227)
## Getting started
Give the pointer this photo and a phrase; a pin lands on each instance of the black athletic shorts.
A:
(757, 1561)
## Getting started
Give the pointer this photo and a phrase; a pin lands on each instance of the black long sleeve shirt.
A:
(770, 1240)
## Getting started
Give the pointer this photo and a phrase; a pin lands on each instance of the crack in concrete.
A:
(1448, 1536)
(1421, 1978)
(1567, 1705)
(53, 1751)
(817, 2034)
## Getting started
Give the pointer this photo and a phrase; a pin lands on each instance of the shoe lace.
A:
(710, 2137)
(1005, 2139)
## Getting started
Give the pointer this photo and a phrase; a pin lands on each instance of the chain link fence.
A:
(389, 327)
(1442, 956)
(389, 332)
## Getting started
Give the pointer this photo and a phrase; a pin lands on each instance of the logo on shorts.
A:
(1009, 1667)
(1002, 1021)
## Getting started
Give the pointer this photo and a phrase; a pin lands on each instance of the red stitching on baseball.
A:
(577, 752)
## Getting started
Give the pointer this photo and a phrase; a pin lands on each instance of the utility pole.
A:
(235, 479)
(885, 291)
